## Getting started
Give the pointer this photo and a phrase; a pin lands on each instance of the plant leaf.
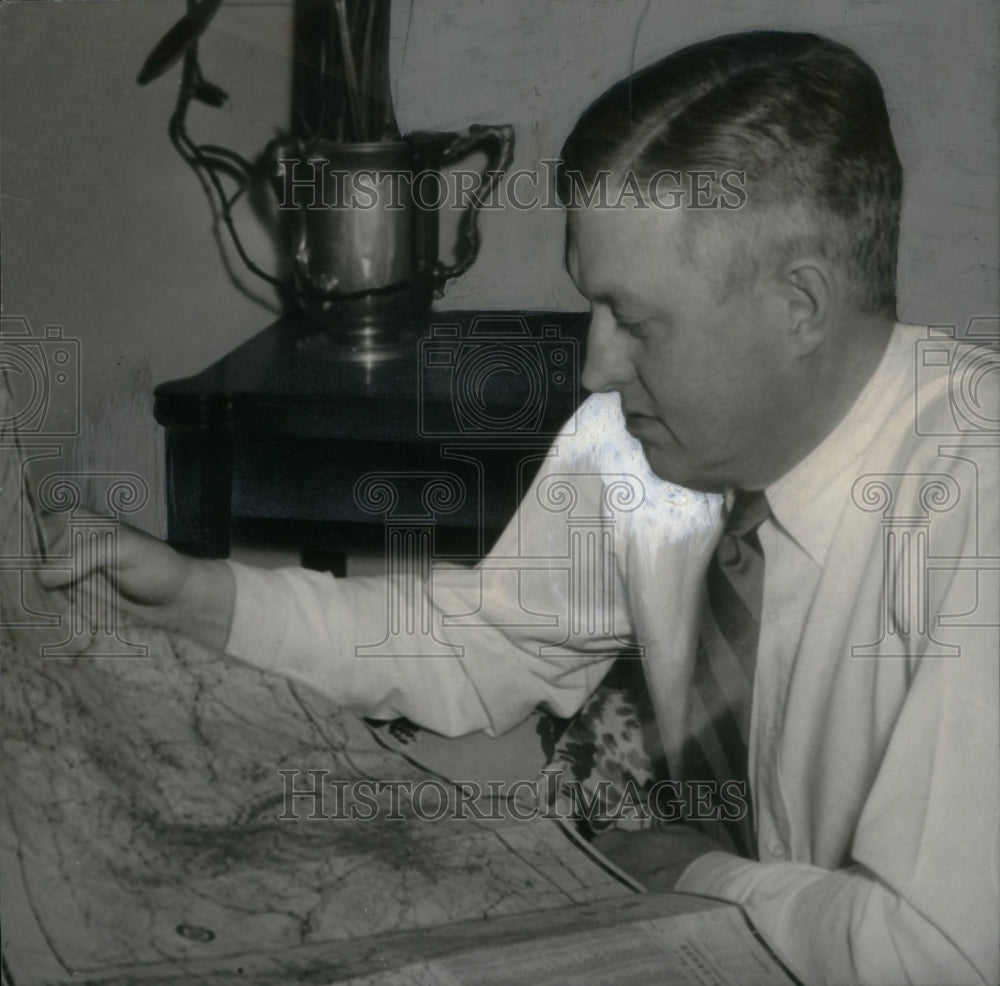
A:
(178, 39)
(210, 94)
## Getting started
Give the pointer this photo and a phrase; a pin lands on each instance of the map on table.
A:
(144, 798)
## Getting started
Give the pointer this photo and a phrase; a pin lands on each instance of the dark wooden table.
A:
(282, 443)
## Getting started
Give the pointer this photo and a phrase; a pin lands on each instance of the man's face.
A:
(702, 381)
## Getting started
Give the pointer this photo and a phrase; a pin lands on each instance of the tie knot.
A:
(748, 512)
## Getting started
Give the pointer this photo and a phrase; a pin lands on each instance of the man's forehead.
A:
(617, 258)
(595, 231)
(621, 238)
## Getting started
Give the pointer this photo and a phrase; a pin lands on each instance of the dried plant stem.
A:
(350, 71)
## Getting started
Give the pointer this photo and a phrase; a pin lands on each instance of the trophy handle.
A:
(498, 145)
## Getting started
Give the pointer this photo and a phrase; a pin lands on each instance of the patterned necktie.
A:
(614, 739)
(722, 690)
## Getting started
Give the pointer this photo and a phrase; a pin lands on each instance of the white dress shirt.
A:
(875, 750)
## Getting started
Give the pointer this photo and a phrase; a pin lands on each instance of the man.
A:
(758, 400)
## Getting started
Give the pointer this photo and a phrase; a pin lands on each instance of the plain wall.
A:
(107, 233)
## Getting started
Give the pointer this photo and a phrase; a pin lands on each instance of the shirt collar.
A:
(807, 501)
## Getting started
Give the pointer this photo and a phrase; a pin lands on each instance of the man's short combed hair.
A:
(803, 118)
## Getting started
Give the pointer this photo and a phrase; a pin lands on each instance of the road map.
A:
(145, 795)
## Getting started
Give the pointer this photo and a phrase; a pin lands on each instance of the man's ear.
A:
(808, 285)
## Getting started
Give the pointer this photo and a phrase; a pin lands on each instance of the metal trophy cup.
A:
(361, 234)
(364, 224)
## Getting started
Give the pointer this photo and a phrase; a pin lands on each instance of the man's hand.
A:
(656, 857)
(155, 585)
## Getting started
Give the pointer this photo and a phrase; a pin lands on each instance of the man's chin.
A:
(672, 469)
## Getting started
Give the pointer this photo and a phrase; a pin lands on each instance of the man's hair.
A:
(801, 117)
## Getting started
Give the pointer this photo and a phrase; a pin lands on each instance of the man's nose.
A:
(607, 366)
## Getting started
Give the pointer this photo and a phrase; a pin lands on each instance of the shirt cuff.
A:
(719, 874)
(258, 629)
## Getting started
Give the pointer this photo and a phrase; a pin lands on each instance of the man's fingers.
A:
(60, 572)
(62, 565)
